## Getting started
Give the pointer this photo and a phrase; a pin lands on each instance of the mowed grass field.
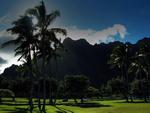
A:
(109, 106)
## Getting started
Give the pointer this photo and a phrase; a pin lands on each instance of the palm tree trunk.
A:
(131, 96)
(127, 81)
(44, 96)
(31, 99)
(143, 95)
(126, 97)
(55, 99)
(145, 99)
(127, 94)
(31, 80)
(50, 88)
(0, 99)
(75, 100)
(82, 100)
(31, 95)
(39, 97)
(51, 96)
(38, 73)
(124, 78)
(44, 87)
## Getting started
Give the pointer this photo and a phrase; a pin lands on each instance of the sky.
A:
(94, 20)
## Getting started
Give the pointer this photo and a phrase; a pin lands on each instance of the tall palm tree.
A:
(139, 66)
(23, 30)
(145, 53)
(47, 36)
(120, 58)
(140, 62)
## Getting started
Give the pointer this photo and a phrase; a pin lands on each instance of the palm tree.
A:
(139, 66)
(120, 58)
(47, 36)
(145, 52)
(23, 30)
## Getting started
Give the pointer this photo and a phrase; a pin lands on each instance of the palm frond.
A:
(51, 17)
(51, 37)
(32, 11)
(41, 9)
(8, 43)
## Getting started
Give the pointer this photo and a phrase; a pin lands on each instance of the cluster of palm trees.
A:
(36, 42)
(131, 63)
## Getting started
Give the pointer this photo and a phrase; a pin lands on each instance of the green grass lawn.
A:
(113, 106)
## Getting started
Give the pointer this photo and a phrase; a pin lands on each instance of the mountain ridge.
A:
(83, 58)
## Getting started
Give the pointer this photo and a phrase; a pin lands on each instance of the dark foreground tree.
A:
(118, 87)
(141, 89)
(139, 67)
(76, 86)
(144, 50)
(120, 58)
(23, 30)
(92, 92)
(53, 88)
(48, 42)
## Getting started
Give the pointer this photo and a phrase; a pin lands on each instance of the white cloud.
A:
(10, 60)
(96, 36)
(7, 53)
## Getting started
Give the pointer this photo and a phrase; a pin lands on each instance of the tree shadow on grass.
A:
(16, 110)
(140, 101)
(20, 110)
(63, 110)
(5, 109)
(87, 105)
(13, 104)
